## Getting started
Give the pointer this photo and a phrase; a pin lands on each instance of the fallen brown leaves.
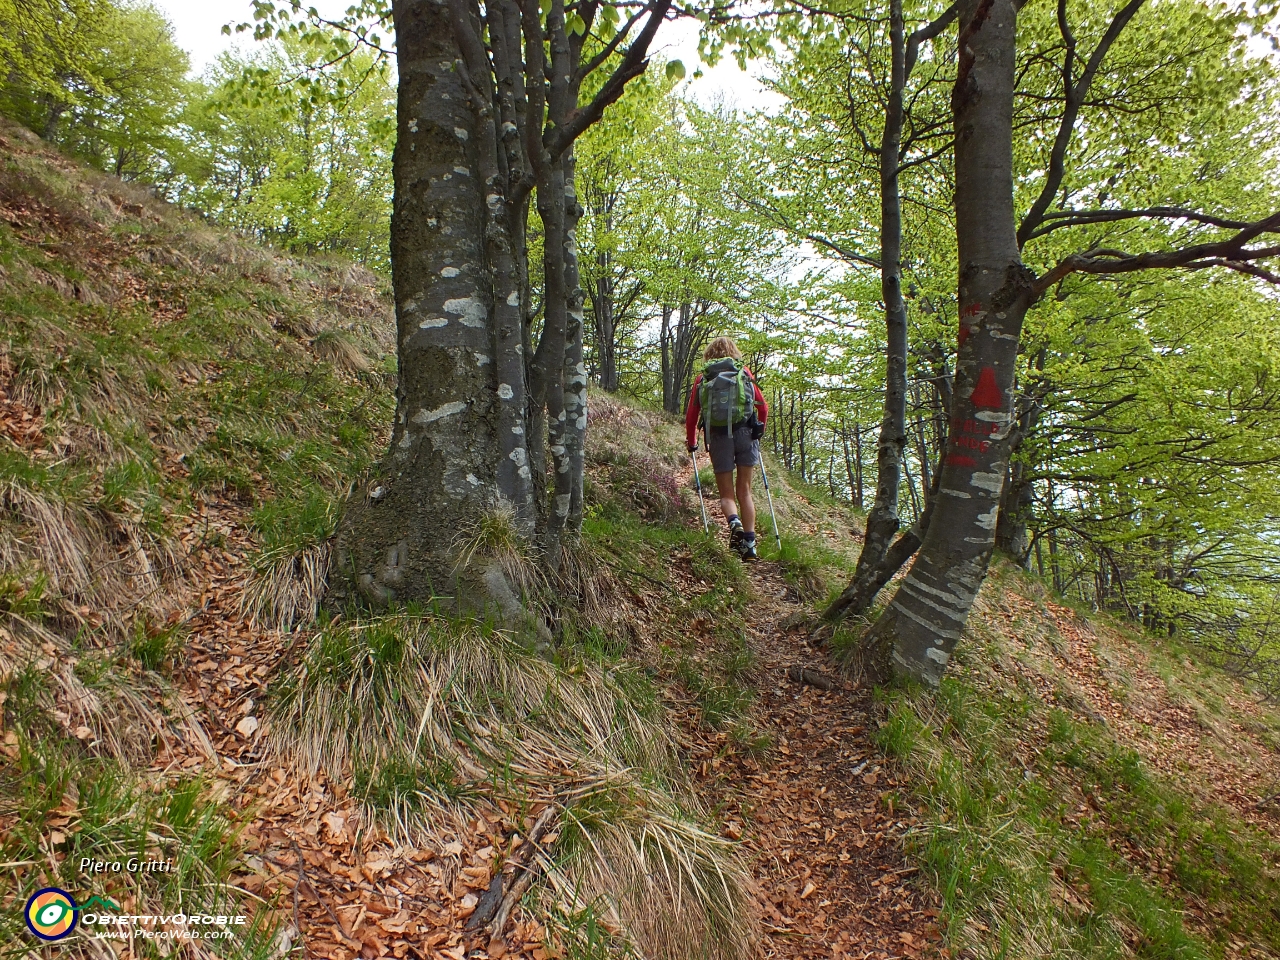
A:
(1113, 679)
(349, 890)
(822, 817)
(19, 423)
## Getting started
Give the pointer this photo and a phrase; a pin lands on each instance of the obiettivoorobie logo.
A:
(51, 914)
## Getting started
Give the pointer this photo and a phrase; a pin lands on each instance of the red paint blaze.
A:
(960, 460)
(987, 395)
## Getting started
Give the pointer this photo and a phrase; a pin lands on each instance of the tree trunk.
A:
(548, 364)
(882, 520)
(670, 402)
(804, 446)
(679, 353)
(455, 284)
(575, 369)
(922, 624)
(855, 479)
(911, 489)
(857, 462)
(606, 356)
(1016, 501)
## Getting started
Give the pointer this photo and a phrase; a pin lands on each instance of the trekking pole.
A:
(697, 481)
(764, 475)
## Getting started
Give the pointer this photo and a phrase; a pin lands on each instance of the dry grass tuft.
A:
(91, 557)
(285, 589)
(115, 712)
(430, 714)
(59, 539)
(337, 347)
(646, 868)
(586, 579)
(495, 538)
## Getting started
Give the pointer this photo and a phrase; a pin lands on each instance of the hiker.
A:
(729, 406)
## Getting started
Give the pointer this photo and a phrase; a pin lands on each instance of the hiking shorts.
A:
(729, 450)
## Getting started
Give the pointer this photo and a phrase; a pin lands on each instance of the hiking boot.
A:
(747, 549)
(736, 535)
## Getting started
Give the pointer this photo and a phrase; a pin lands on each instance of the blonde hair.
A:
(721, 347)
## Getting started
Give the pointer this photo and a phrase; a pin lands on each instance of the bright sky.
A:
(198, 29)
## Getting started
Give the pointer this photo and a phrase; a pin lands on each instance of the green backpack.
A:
(727, 395)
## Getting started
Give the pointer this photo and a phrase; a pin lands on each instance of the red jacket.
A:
(693, 409)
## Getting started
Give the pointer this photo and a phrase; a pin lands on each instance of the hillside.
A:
(182, 415)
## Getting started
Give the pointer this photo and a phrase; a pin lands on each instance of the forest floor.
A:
(821, 818)
(815, 813)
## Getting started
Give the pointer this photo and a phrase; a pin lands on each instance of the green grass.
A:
(1056, 853)
(222, 370)
(63, 805)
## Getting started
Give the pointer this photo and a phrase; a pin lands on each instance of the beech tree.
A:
(488, 113)
(904, 141)
(925, 619)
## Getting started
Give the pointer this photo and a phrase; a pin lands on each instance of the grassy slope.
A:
(1081, 791)
(1089, 792)
(151, 370)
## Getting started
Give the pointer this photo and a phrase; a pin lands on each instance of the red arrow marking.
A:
(987, 395)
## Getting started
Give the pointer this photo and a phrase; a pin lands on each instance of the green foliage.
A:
(268, 155)
(103, 79)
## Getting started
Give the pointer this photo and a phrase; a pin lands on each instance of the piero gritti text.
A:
(132, 865)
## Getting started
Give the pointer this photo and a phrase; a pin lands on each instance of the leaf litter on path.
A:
(822, 816)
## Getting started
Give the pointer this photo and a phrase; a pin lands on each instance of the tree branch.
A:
(1075, 93)
(634, 63)
(928, 32)
(1060, 219)
(611, 46)
(1231, 253)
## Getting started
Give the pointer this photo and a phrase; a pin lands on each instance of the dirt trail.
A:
(820, 816)
(817, 813)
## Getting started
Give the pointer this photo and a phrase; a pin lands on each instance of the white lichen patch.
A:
(460, 133)
(513, 299)
(463, 171)
(518, 456)
(450, 272)
(413, 125)
(987, 521)
(440, 412)
(469, 309)
(431, 322)
(505, 391)
(991, 482)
